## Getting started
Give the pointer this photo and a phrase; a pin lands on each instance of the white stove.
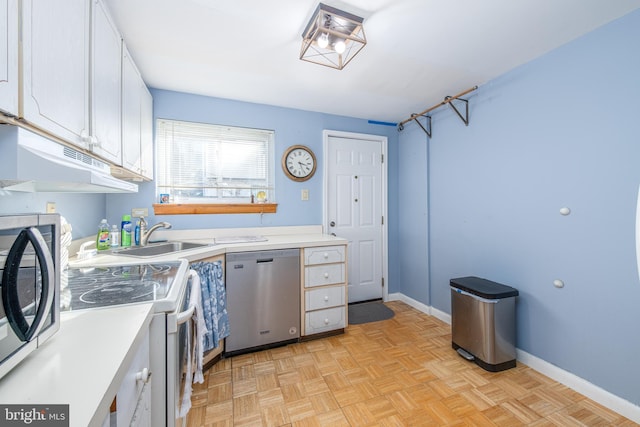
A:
(166, 286)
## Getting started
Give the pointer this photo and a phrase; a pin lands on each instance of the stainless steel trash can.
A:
(483, 322)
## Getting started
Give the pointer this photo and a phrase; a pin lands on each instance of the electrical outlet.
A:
(51, 207)
(305, 194)
(138, 212)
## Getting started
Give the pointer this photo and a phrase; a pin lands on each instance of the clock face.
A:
(299, 163)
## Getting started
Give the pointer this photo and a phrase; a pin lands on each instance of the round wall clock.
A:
(299, 163)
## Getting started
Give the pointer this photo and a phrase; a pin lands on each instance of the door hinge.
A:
(382, 280)
(381, 158)
(382, 220)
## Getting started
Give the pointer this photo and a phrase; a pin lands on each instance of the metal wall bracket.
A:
(426, 129)
(465, 119)
(447, 100)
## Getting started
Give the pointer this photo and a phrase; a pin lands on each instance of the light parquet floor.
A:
(397, 372)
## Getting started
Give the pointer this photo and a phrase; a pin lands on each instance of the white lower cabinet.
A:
(325, 320)
(133, 401)
(324, 289)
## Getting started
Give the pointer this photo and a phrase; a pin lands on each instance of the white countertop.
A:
(276, 238)
(81, 365)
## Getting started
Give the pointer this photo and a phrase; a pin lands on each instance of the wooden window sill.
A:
(212, 208)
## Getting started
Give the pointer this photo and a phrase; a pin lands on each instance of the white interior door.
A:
(355, 207)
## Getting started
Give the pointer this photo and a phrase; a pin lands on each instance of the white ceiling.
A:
(418, 51)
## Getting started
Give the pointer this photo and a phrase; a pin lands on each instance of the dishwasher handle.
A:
(264, 260)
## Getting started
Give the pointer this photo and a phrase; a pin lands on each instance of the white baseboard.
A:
(582, 386)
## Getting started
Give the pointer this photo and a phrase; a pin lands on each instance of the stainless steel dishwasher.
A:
(263, 299)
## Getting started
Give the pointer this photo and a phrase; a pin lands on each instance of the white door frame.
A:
(326, 134)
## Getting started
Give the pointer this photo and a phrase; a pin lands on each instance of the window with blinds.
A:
(203, 163)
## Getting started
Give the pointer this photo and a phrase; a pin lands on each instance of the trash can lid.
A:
(483, 288)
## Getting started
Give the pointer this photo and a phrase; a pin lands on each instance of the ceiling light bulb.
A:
(323, 40)
(340, 46)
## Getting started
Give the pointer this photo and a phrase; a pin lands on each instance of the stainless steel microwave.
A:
(29, 284)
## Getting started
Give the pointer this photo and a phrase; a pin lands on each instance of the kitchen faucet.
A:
(144, 234)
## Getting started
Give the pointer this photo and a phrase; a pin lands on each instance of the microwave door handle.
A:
(47, 270)
(10, 300)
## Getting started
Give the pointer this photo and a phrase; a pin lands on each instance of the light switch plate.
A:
(305, 194)
(51, 207)
(138, 212)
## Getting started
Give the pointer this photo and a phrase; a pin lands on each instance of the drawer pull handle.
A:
(326, 298)
(326, 321)
(326, 255)
(143, 375)
(326, 275)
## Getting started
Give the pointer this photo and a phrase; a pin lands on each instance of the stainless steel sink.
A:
(156, 249)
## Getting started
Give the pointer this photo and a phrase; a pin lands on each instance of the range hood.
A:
(30, 162)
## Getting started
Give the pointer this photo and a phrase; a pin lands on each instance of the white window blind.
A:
(203, 163)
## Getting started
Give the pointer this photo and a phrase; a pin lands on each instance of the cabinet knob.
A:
(326, 297)
(143, 375)
(326, 275)
(326, 321)
(326, 255)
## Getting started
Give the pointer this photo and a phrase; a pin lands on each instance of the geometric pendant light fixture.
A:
(332, 37)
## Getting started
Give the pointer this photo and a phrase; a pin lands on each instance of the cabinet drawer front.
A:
(323, 275)
(324, 320)
(324, 297)
(131, 388)
(324, 255)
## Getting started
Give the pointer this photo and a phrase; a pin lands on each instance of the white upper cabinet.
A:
(9, 57)
(131, 113)
(72, 78)
(55, 67)
(106, 60)
(146, 134)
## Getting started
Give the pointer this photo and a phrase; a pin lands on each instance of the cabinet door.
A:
(131, 102)
(106, 57)
(9, 57)
(56, 67)
(146, 134)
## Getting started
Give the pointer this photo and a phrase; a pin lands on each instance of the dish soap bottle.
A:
(126, 231)
(102, 239)
(115, 236)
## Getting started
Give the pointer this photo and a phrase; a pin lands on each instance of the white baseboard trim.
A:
(582, 386)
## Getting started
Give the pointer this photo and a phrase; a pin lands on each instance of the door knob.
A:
(332, 223)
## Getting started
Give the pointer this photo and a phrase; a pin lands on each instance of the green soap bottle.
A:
(102, 239)
(125, 241)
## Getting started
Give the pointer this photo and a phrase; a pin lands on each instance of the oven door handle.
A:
(10, 298)
(184, 316)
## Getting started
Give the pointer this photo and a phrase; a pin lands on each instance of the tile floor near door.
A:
(397, 372)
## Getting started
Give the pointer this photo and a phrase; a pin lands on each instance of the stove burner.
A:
(123, 284)
(120, 291)
(139, 270)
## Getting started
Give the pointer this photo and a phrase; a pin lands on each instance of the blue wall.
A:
(82, 211)
(561, 131)
(291, 127)
(484, 199)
